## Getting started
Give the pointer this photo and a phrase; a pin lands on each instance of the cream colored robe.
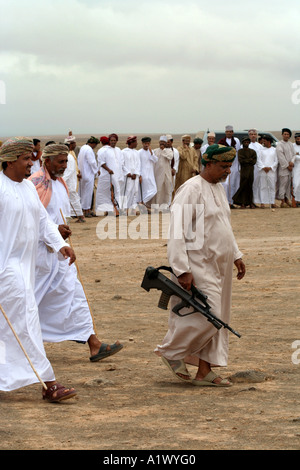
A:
(192, 337)
(163, 176)
(188, 165)
(285, 154)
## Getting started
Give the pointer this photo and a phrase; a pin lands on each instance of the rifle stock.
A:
(154, 279)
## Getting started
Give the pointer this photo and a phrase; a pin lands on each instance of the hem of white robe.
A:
(26, 383)
(104, 207)
(82, 337)
(192, 360)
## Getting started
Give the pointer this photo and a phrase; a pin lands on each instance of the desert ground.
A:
(131, 401)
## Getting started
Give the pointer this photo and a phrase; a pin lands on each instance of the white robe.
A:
(203, 148)
(148, 188)
(296, 173)
(175, 167)
(265, 185)
(131, 189)
(88, 168)
(258, 148)
(100, 151)
(63, 308)
(23, 221)
(70, 177)
(176, 159)
(210, 259)
(232, 183)
(36, 164)
(112, 157)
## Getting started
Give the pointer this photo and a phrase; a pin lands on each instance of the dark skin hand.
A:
(65, 231)
(186, 279)
(241, 268)
(68, 252)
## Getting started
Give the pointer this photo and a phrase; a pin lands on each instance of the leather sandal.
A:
(208, 381)
(178, 368)
(105, 352)
(58, 392)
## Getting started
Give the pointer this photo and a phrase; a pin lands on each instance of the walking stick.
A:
(113, 199)
(79, 275)
(269, 190)
(21, 346)
(74, 210)
(141, 189)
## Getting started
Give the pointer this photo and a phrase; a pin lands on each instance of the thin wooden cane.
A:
(80, 279)
(21, 346)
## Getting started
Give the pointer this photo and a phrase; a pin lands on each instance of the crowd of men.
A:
(40, 189)
(111, 180)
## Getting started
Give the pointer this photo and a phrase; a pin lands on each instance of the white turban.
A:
(70, 139)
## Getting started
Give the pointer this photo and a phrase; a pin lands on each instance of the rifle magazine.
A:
(164, 301)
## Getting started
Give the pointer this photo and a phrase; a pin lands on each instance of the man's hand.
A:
(241, 268)
(186, 280)
(65, 231)
(68, 252)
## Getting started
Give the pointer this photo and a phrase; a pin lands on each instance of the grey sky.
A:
(134, 66)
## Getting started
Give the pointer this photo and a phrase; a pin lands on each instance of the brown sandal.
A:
(58, 393)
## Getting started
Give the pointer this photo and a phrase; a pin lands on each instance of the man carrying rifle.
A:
(202, 252)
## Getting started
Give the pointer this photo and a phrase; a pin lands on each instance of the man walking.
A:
(204, 256)
(23, 222)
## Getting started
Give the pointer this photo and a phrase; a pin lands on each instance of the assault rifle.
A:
(154, 279)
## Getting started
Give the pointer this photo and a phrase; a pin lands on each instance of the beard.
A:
(28, 172)
(223, 179)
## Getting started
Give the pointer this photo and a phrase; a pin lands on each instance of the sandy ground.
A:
(132, 401)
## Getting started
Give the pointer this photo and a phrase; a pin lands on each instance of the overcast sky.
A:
(147, 66)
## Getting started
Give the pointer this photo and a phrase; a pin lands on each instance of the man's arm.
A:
(50, 235)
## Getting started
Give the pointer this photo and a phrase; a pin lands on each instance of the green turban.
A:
(93, 140)
(218, 153)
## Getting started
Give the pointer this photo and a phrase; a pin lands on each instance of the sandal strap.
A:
(55, 387)
(179, 367)
(48, 394)
(210, 377)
